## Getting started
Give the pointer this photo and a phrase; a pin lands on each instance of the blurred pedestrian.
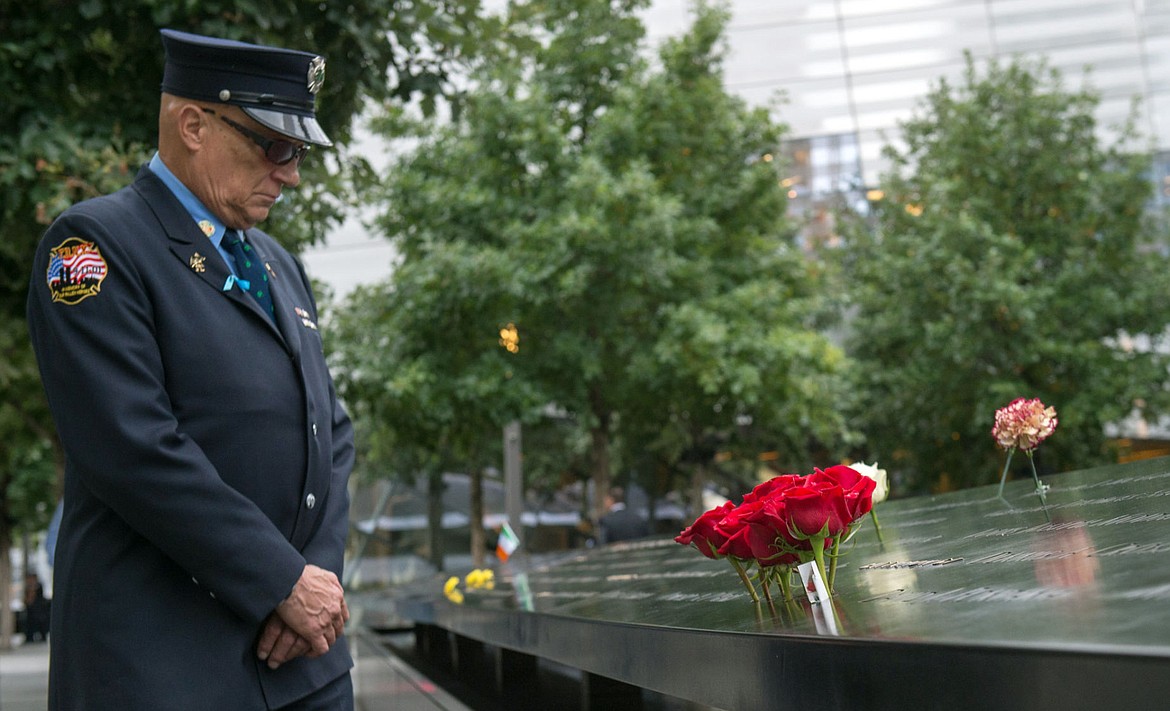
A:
(35, 617)
(620, 523)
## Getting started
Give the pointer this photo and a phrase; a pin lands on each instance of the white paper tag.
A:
(814, 585)
(825, 618)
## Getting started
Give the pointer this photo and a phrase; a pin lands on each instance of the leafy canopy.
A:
(629, 221)
(1013, 256)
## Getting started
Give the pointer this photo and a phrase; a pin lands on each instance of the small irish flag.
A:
(507, 543)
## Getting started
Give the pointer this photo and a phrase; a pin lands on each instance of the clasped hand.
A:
(308, 622)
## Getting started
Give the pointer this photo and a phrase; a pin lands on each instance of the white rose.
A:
(882, 490)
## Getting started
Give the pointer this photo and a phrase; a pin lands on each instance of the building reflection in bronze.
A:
(1065, 557)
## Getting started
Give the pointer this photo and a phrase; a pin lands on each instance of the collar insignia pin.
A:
(197, 261)
(207, 227)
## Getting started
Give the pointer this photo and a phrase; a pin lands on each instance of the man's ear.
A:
(193, 126)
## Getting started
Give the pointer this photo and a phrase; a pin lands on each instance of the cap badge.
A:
(316, 74)
(197, 261)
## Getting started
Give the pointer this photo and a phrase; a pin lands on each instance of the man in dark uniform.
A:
(206, 454)
(620, 523)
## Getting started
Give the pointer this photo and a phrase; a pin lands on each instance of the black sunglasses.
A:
(278, 150)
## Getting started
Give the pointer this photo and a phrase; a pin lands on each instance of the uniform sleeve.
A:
(104, 377)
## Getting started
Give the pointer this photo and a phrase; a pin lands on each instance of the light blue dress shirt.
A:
(196, 208)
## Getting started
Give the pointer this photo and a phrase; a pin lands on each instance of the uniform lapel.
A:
(192, 247)
(282, 300)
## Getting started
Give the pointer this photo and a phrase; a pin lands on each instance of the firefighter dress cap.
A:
(276, 87)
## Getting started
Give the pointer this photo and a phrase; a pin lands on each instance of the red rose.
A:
(858, 488)
(839, 474)
(703, 533)
(738, 545)
(772, 487)
(730, 526)
(756, 530)
(817, 511)
(772, 515)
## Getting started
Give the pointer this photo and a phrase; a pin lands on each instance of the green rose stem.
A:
(767, 593)
(832, 563)
(876, 526)
(818, 551)
(785, 583)
(743, 576)
(1003, 478)
(762, 576)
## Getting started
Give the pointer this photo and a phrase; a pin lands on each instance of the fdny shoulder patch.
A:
(76, 271)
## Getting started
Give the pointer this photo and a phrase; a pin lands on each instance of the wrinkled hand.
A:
(279, 643)
(316, 609)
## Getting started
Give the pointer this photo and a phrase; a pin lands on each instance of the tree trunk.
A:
(26, 555)
(7, 628)
(599, 450)
(435, 517)
(478, 540)
(698, 481)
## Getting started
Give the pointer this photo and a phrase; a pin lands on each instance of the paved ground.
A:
(381, 681)
(24, 677)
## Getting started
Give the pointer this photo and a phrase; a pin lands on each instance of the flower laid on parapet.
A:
(481, 579)
(452, 591)
(784, 523)
(478, 579)
(1023, 424)
(881, 490)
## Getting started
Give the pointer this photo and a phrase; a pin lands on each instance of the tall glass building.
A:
(847, 71)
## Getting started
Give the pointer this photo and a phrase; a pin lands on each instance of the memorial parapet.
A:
(969, 601)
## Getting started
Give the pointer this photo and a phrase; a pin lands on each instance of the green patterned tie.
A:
(250, 272)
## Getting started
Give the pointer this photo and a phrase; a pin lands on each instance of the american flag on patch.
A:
(78, 263)
(56, 269)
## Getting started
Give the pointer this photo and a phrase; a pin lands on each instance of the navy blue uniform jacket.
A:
(206, 459)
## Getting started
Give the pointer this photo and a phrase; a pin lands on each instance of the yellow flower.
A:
(484, 578)
(451, 590)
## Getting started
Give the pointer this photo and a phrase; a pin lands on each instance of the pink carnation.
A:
(1023, 424)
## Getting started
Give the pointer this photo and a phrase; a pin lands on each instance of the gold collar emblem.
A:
(196, 263)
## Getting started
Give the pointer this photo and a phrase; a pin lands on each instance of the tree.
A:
(1013, 256)
(420, 362)
(649, 269)
(81, 115)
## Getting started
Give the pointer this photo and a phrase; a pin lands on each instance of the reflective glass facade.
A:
(845, 72)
